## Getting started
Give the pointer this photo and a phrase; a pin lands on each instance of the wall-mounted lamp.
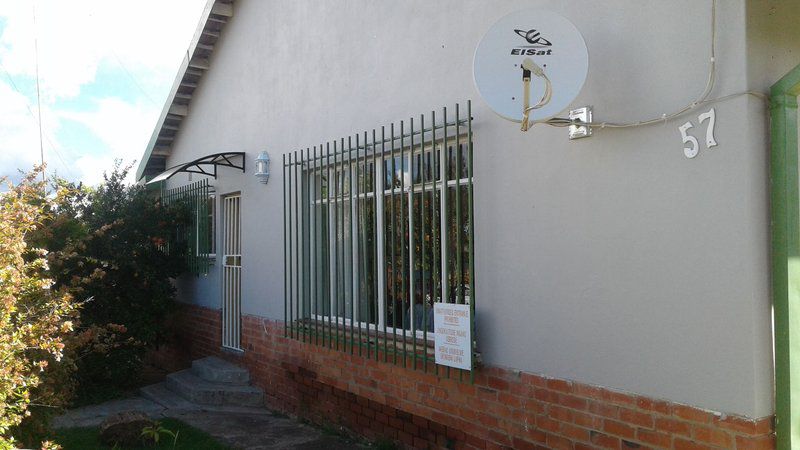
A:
(262, 167)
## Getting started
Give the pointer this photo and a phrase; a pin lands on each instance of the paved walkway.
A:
(240, 428)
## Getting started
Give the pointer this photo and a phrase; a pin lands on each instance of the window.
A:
(196, 237)
(205, 242)
(376, 231)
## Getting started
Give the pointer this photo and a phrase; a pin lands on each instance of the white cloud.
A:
(19, 133)
(92, 168)
(140, 39)
(75, 37)
(123, 127)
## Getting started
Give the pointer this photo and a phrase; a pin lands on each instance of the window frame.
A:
(406, 154)
(211, 207)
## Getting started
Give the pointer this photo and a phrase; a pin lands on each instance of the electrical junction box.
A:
(580, 115)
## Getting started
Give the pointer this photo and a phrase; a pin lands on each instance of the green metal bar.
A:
(435, 216)
(472, 291)
(350, 245)
(369, 275)
(198, 227)
(423, 173)
(194, 198)
(403, 260)
(785, 211)
(307, 249)
(305, 263)
(308, 243)
(357, 251)
(298, 241)
(202, 233)
(188, 198)
(319, 316)
(459, 223)
(412, 243)
(383, 263)
(197, 192)
(394, 241)
(206, 249)
(376, 265)
(342, 309)
(184, 229)
(316, 248)
(358, 220)
(190, 247)
(289, 243)
(301, 254)
(300, 224)
(329, 284)
(202, 218)
(445, 218)
(189, 231)
(438, 127)
(336, 208)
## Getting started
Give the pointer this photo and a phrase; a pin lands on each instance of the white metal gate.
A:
(232, 273)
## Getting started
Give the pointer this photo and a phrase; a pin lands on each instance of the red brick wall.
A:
(502, 409)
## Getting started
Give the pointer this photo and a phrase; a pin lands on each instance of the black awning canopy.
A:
(207, 165)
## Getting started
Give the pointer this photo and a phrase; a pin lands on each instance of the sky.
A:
(105, 70)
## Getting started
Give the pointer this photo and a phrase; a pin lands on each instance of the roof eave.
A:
(215, 14)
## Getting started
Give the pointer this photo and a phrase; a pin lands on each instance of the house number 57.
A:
(693, 146)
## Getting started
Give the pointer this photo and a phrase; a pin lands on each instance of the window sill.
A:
(333, 334)
(372, 344)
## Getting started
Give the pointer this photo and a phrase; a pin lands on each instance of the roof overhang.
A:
(195, 63)
(207, 165)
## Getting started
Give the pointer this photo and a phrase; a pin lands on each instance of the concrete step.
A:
(174, 405)
(161, 394)
(197, 390)
(217, 370)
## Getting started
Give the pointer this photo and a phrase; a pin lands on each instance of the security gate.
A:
(232, 273)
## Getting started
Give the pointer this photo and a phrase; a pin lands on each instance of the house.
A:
(615, 291)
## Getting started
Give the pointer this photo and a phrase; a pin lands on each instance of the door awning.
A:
(207, 165)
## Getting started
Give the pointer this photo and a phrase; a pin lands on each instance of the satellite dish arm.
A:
(528, 67)
(526, 96)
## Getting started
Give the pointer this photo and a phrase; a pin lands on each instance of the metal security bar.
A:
(378, 228)
(196, 236)
(232, 273)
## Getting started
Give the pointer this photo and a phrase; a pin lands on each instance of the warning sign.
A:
(451, 324)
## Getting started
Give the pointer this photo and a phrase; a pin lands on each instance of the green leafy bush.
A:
(106, 247)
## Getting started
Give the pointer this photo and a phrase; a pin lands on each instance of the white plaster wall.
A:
(612, 260)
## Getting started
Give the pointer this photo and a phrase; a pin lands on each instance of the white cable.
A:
(529, 65)
(702, 99)
(546, 97)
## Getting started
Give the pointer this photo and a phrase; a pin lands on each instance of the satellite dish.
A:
(547, 38)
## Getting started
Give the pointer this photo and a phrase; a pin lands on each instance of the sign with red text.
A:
(451, 323)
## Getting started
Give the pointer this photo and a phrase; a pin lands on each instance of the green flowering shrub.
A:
(36, 317)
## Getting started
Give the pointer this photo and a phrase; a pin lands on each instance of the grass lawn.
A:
(189, 438)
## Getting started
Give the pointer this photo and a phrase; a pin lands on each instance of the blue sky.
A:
(105, 68)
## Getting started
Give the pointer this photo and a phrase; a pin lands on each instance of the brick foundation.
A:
(502, 409)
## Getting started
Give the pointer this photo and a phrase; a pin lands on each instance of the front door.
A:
(231, 272)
